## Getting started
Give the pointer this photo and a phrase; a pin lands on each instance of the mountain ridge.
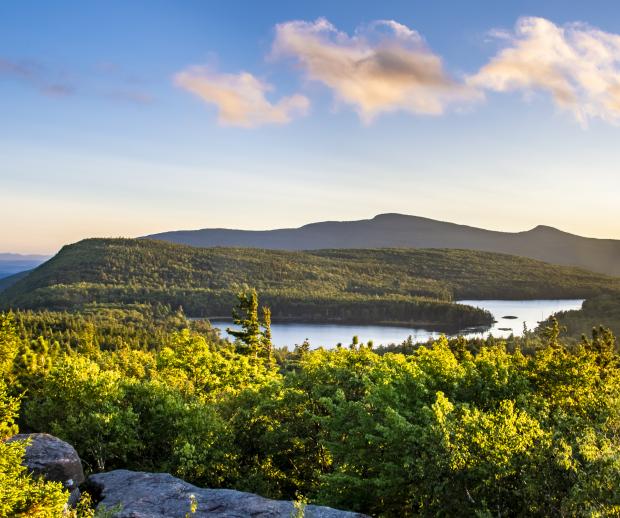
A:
(412, 286)
(393, 230)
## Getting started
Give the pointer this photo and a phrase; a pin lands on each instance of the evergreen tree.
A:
(267, 345)
(251, 340)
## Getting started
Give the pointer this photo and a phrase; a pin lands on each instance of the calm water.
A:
(529, 312)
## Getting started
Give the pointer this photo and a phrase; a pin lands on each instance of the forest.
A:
(412, 286)
(596, 310)
(520, 427)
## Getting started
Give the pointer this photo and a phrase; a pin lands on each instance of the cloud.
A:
(579, 66)
(35, 75)
(383, 67)
(240, 98)
(53, 82)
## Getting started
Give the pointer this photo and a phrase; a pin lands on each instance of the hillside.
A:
(357, 286)
(401, 231)
(9, 280)
(603, 310)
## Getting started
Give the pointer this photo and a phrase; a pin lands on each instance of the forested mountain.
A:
(11, 264)
(9, 280)
(402, 231)
(416, 286)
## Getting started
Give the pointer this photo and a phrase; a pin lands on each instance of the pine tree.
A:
(251, 340)
(267, 345)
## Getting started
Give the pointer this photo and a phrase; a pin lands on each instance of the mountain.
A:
(414, 286)
(401, 231)
(11, 264)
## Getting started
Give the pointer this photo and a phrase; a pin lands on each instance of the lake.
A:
(529, 312)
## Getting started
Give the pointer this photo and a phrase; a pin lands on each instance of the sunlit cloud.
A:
(240, 98)
(383, 67)
(578, 65)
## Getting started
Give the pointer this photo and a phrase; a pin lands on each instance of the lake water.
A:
(529, 312)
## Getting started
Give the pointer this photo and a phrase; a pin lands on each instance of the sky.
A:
(129, 118)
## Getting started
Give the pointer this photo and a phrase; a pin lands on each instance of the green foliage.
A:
(526, 427)
(603, 309)
(21, 495)
(8, 344)
(357, 286)
(254, 336)
(204, 449)
(195, 366)
(86, 406)
(9, 406)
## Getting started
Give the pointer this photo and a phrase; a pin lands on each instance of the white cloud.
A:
(383, 67)
(577, 64)
(240, 98)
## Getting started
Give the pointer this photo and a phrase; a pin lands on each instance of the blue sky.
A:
(127, 118)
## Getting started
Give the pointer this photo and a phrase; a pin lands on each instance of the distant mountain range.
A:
(401, 231)
(11, 264)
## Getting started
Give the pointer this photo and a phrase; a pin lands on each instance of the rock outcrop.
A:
(160, 495)
(133, 494)
(53, 459)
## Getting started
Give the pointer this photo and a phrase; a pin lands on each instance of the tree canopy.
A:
(452, 427)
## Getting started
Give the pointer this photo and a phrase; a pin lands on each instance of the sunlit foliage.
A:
(524, 427)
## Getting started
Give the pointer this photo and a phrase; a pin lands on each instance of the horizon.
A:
(131, 119)
(156, 233)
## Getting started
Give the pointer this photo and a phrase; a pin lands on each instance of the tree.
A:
(86, 406)
(251, 339)
(267, 345)
(551, 333)
(9, 343)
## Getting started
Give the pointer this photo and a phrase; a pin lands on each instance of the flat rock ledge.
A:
(160, 495)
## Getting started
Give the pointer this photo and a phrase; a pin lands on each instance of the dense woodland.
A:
(96, 347)
(356, 286)
(603, 309)
(525, 427)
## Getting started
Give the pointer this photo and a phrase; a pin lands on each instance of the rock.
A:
(160, 495)
(53, 459)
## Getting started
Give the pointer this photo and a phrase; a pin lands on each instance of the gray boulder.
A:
(160, 495)
(53, 459)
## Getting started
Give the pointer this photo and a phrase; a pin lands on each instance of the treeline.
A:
(604, 309)
(354, 286)
(110, 327)
(453, 428)
(308, 307)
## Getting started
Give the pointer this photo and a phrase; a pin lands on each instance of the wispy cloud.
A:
(240, 98)
(37, 76)
(383, 67)
(578, 65)
(108, 84)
